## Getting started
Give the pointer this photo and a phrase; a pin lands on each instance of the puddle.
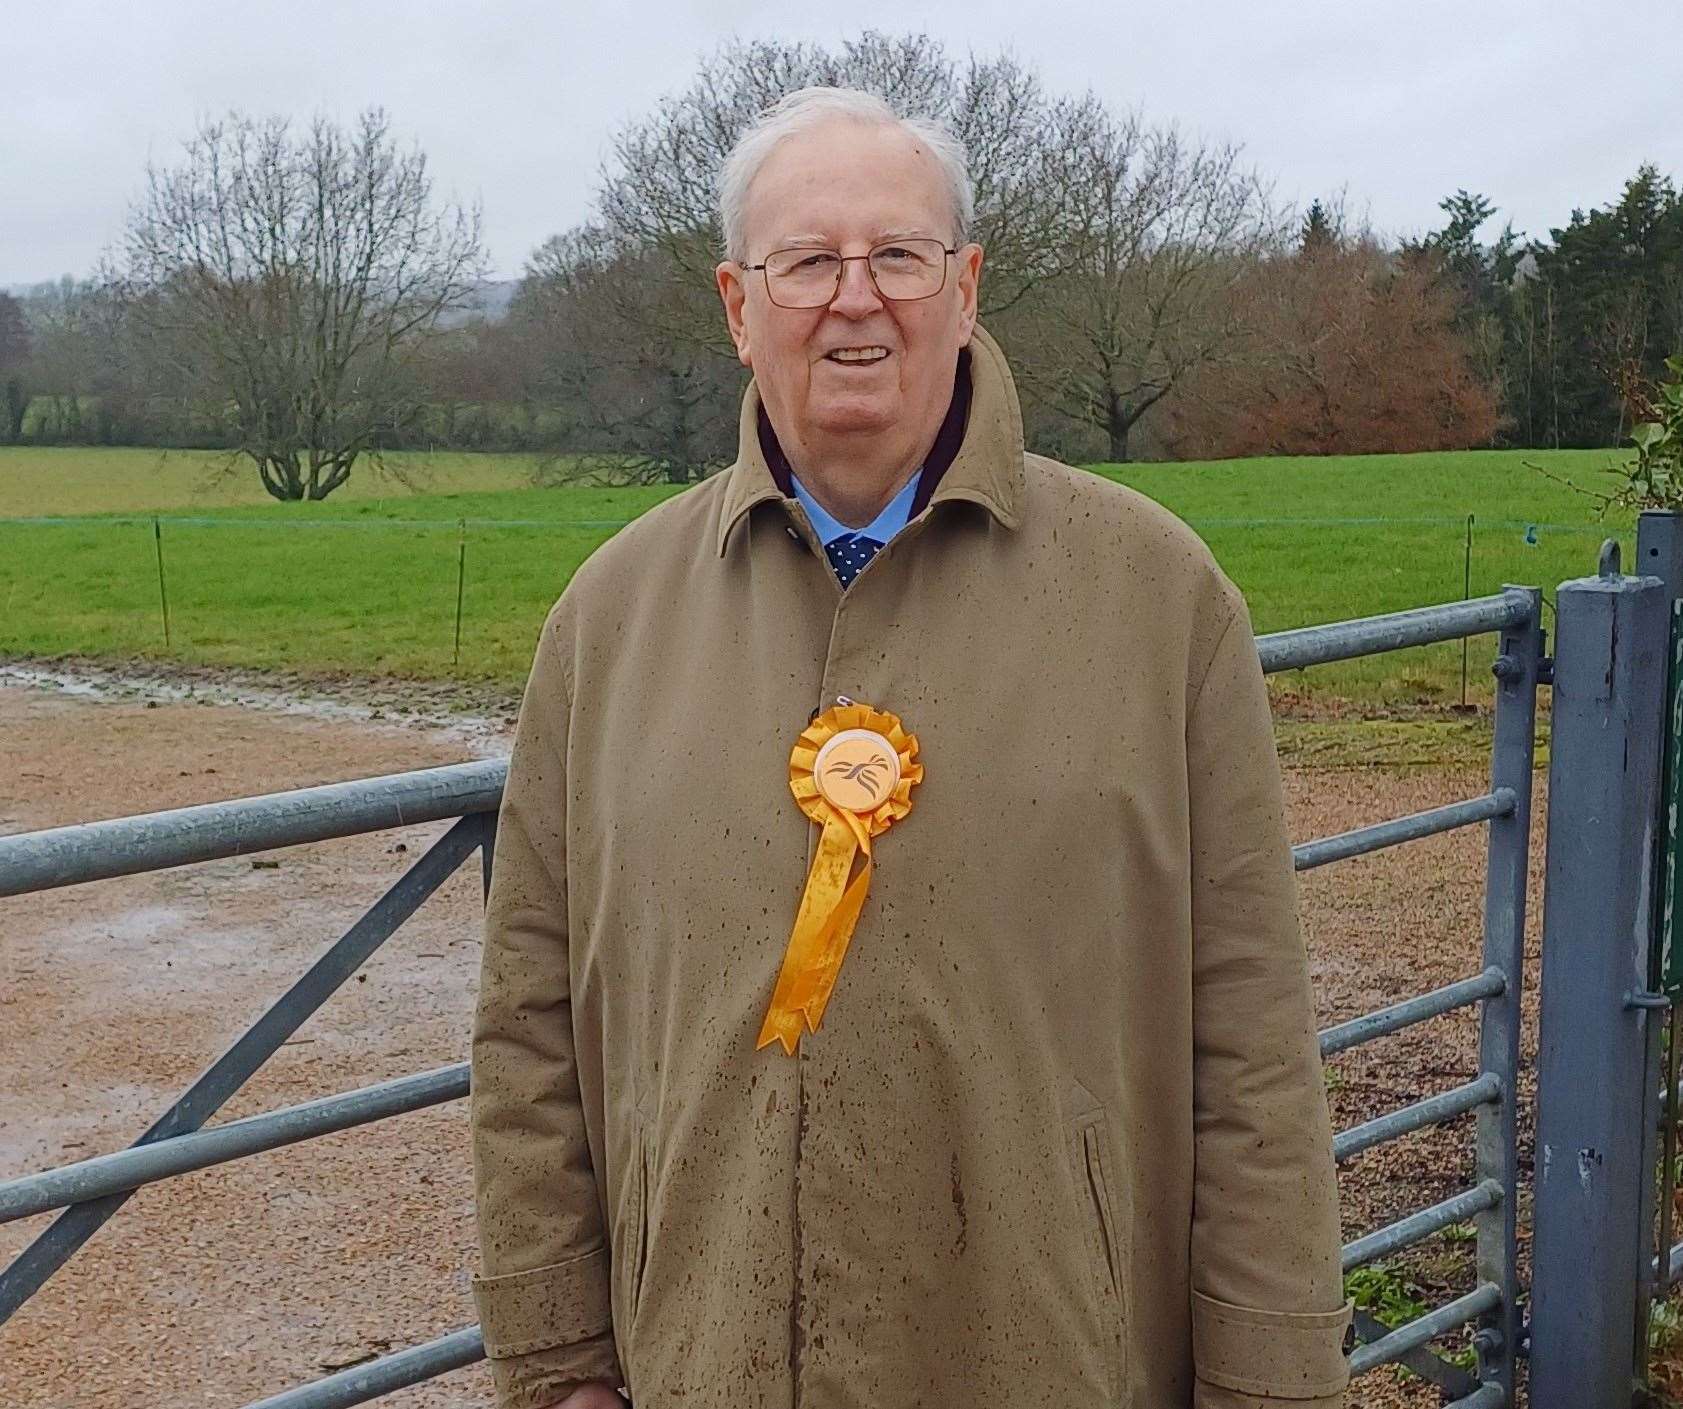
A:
(398, 705)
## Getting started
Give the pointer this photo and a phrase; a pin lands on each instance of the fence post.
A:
(163, 596)
(461, 580)
(1595, 1111)
(1516, 668)
(1659, 553)
(1466, 592)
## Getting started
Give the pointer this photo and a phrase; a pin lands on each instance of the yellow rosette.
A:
(852, 771)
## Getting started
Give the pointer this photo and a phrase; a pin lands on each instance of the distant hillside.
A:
(490, 301)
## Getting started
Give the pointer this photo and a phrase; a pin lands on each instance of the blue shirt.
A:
(884, 526)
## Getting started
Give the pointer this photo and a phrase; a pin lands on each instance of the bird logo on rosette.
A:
(857, 769)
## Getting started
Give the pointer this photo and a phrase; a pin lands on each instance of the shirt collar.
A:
(882, 528)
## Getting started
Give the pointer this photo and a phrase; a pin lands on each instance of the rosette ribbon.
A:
(852, 771)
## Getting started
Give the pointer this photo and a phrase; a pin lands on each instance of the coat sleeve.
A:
(543, 1287)
(1268, 1310)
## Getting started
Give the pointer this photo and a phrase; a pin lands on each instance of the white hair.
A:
(805, 109)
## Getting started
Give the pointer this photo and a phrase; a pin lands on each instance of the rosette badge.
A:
(852, 771)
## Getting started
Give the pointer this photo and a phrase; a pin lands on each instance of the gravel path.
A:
(220, 1287)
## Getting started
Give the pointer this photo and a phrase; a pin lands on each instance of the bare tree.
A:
(1361, 353)
(14, 353)
(1618, 338)
(83, 366)
(1163, 230)
(628, 407)
(659, 188)
(290, 280)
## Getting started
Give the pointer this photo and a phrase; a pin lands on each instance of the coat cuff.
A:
(544, 1308)
(1269, 1355)
(1208, 1396)
(544, 1378)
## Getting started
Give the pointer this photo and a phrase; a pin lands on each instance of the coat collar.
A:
(987, 468)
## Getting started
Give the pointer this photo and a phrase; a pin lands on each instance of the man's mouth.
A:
(857, 356)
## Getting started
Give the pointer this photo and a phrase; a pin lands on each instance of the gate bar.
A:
(1417, 1227)
(1370, 635)
(373, 1378)
(1381, 1023)
(1416, 1333)
(221, 1144)
(1422, 1360)
(1434, 1110)
(123, 846)
(1307, 855)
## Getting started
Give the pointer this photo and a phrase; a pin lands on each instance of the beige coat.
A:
(1062, 1138)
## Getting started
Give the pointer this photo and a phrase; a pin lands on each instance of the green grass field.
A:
(366, 581)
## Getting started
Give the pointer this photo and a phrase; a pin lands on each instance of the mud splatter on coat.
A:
(1062, 1138)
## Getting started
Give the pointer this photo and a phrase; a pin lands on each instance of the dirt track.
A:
(217, 1288)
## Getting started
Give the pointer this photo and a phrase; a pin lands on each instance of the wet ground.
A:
(220, 1287)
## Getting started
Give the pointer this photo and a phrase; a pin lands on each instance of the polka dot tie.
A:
(848, 553)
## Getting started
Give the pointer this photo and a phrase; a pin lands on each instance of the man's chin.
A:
(861, 417)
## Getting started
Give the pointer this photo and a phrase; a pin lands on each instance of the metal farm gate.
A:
(1594, 1263)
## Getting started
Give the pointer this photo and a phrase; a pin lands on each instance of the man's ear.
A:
(969, 259)
(733, 293)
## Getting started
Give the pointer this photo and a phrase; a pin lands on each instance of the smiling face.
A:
(863, 377)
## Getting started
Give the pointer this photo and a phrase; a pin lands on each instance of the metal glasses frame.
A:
(844, 259)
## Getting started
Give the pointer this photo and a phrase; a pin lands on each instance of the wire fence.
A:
(463, 596)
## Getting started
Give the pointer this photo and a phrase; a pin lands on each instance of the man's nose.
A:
(857, 295)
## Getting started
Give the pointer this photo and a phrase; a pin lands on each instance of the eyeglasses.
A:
(901, 270)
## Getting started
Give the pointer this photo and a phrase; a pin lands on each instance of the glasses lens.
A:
(802, 278)
(910, 268)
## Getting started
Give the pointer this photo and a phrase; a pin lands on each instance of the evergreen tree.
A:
(1479, 280)
(1612, 283)
(1317, 234)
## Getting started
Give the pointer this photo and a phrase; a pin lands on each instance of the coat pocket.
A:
(1107, 1238)
(640, 1244)
(632, 1253)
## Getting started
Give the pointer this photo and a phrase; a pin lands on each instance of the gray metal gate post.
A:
(1659, 548)
(1595, 1135)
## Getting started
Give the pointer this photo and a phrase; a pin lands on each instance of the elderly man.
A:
(892, 991)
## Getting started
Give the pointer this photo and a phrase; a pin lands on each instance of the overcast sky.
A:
(1542, 106)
